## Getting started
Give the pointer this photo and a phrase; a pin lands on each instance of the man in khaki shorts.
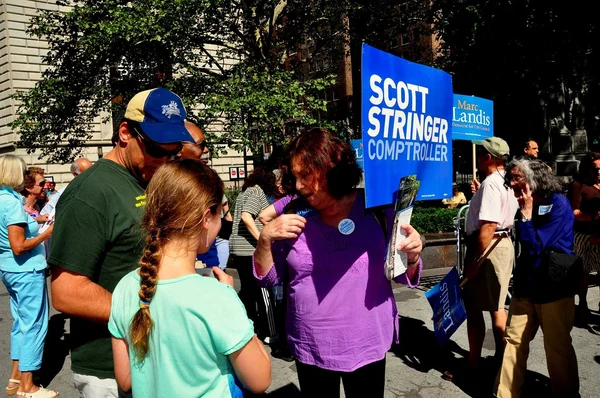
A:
(491, 216)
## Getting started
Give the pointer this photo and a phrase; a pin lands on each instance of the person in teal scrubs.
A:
(23, 272)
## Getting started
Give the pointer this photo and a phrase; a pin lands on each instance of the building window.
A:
(331, 94)
(404, 39)
(318, 65)
(304, 54)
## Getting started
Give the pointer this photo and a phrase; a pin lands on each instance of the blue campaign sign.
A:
(472, 118)
(357, 145)
(448, 309)
(406, 126)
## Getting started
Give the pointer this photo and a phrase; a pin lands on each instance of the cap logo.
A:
(171, 109)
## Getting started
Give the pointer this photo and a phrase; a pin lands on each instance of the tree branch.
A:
(255, 49)
(209, 55)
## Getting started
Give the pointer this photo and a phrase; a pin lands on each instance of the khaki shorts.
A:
(488, 290)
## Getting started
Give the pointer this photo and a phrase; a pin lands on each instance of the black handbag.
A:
(557, 277)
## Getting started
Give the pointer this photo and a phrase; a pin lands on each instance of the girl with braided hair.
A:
(176, 332)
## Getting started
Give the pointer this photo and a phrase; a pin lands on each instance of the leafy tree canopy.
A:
(535, 58)
(102, 52)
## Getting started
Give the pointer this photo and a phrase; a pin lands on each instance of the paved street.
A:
(414, 368)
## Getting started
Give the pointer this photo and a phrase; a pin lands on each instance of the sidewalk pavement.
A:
(414, 367)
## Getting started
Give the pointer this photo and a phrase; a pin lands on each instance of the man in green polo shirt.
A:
(96, 238)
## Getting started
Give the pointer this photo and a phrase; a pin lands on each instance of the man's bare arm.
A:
(74, 294)
(486, 234)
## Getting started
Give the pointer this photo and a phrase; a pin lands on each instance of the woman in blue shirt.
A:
(545, 226)
(23, 272)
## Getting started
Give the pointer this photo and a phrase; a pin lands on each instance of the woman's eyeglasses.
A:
(155, 150)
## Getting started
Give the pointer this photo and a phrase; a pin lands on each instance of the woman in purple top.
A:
(341, 312)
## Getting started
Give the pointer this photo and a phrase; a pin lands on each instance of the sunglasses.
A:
(42, 184)
(201, 145)
(155, 150)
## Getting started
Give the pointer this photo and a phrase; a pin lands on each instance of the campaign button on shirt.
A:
(346, 226)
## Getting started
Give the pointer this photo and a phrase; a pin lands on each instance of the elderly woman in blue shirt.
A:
(23, 272)
(544, 228)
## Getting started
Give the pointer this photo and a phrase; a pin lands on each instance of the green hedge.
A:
(433, 219)
(232, 194)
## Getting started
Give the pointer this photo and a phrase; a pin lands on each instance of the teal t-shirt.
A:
(198, 321)
(12, 213)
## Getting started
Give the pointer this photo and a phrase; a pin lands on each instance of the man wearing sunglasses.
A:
(96, 239)
(218, 253)
(197, 149)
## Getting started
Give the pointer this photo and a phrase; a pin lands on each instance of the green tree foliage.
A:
(232, 195)
(104, 51)
(534, 58)
(257, 103)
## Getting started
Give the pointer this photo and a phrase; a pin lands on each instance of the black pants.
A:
(367, 381)
(252, 296)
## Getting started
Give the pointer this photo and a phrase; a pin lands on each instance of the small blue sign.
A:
(472, 118)
(357, 145)
(448, 309)
(406, 126)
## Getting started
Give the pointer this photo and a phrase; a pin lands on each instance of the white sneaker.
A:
(41, 393)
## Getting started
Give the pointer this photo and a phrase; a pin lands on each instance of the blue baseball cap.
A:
(161, 116)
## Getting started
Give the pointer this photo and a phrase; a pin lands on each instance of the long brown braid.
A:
(177, 198)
